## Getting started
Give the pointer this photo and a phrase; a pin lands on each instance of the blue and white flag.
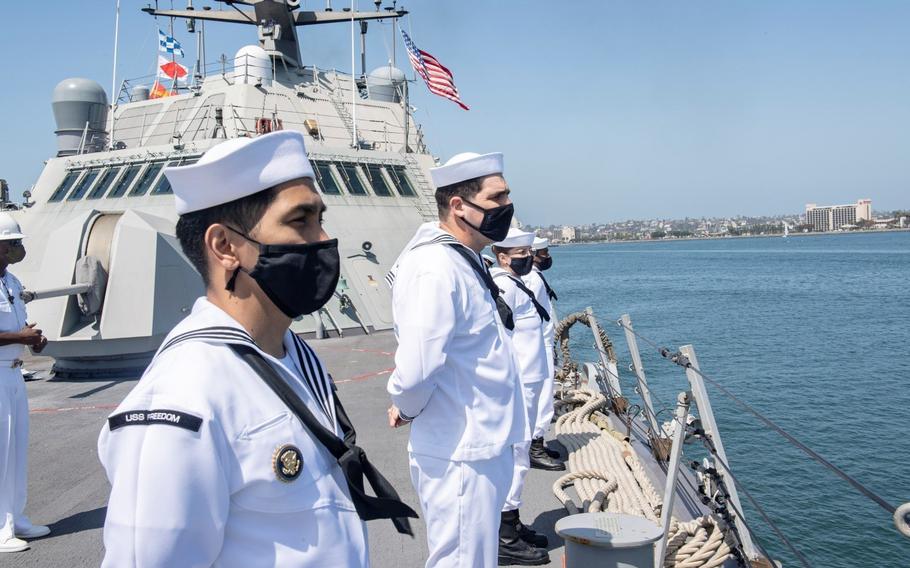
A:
(168, 44)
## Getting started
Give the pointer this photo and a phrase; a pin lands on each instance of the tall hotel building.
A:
(834, 217)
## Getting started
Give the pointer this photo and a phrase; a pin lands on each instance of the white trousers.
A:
(541, 422)
(13, 451)
(461, 503)
(531, 394)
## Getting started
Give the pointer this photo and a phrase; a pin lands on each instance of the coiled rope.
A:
(569, 369)
(608, 476)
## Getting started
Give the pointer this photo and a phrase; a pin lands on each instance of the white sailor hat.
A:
(540, 244)
(238, 168)
(516, 238)
(465, 166)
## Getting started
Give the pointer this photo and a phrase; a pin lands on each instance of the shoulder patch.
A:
(159, 416)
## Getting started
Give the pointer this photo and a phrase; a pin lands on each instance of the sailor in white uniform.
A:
(455, 377)
(226, 453)
(14, 334)
(546, 297)
(518, 544)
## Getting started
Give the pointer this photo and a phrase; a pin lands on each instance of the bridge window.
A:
(402, 181)
(125, 181)
(83, 185)
(349, 172)
(104, 182)
(164, 186)
(68, 180)
(381, 187)
(148, 176)
(326, 179)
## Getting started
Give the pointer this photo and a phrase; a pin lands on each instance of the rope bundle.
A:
(608, 476)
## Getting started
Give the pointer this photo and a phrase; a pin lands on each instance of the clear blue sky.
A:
(605, 110)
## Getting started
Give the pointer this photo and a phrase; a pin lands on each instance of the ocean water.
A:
(813, 331)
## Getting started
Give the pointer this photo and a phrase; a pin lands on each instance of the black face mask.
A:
(545, 263)
(522, 266)
(496, 221)
(299, 278)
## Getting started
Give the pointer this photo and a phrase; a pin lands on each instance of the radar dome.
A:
(252, 66)
(80, 111)
(385, 84)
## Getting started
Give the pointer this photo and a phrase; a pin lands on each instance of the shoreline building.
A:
(835, 217)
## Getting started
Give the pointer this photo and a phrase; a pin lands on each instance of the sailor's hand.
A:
(40, 346)
(395, 419)
(30, 336)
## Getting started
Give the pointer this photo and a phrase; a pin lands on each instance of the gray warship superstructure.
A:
(102, 213)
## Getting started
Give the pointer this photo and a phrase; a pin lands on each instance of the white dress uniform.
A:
(535, 283)
(530, 353)
(13, 414)
(455, 373)
(196, 459)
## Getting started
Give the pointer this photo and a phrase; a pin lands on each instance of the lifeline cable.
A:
(683, 361)
(758, 508)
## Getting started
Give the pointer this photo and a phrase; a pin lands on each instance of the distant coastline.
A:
(719, 238)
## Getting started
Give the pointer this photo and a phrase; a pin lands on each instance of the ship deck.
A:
(68, 489)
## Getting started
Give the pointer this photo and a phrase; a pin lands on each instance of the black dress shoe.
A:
(540, 459)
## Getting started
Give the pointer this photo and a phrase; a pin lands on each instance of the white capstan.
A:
(239, 167)
(9, 228)
(465, 166)
(516, 238)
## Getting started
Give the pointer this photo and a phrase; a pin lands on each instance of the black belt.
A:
(351, 458)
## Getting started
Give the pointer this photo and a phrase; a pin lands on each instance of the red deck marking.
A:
(360, 350)
(72, 408)
(365, 376)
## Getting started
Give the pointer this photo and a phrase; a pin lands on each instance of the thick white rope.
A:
(607, 475)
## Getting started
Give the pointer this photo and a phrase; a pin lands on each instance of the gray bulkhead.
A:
(117, 206)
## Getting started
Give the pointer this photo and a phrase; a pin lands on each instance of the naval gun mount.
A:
(130, 284)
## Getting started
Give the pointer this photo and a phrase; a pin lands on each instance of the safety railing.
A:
(328, 85)
(719, 487)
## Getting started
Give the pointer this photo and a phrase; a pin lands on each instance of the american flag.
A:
(439, 80)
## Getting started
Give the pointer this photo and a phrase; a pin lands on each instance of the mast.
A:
(407, 117)
(114, 95)
(282, 13)
(353, 82)
(173, 57)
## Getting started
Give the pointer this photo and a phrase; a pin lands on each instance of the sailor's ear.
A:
(456, 204)
(221, 247)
